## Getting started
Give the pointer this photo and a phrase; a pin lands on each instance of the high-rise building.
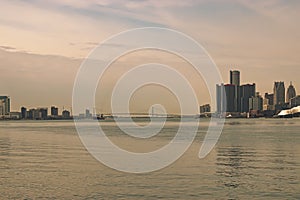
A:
(256, 103)
(279, 93)
(226, 98)
(221, 100)
(4, 105)
(235, 78)
(39, 113)
(205, 108)
(54, 111)
(246, 92)
(236, 97)
(291, 93)
(268, 103)
(43, 113)
(270, 98)
(66, 114)
(23, 113)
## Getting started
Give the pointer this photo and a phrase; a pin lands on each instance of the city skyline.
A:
(238, 97)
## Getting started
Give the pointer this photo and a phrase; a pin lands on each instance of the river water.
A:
(253, 159)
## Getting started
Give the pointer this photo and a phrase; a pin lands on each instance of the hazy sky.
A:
(43, 42)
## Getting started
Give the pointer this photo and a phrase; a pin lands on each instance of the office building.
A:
(54, 111)
(291, 93)
(246, 92)
(279, 94)
(270, 98)
(4, 105)
(295, 101)
(15, 115)
(225, 98)
(235, 80)
(205, 109)
(39, 114)
(66, 114)
(256, 102)
(23, 113)
(43, 113)
(221, 100)
(268, 102)
(236, 97)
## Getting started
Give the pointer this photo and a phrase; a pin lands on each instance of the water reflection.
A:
(4, 151)
(232, 165)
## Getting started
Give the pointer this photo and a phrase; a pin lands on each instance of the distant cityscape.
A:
(238, 101)
(232, 100)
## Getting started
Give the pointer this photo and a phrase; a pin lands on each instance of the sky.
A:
(44, 42)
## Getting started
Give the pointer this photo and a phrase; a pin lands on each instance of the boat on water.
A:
(100, 117)
(290, 113)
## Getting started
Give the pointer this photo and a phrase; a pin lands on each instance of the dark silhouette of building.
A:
(30, 113)
(246, 92)
(221, 99)
(23, 113)
(234, 97)
(270, 98)
(268, 102)
(291, 93)
(235, 78)
(4, 105)
(54, 111)
(279, 94)
(66, 114)
(256, 103)
(205, 108)
(226, 98)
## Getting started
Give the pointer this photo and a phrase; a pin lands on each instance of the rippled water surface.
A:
(254, 159)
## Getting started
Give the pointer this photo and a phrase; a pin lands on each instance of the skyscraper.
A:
(23, 113)
(54, 111)
(5, 105)
(246, 92)
(225, 98)
(256, 102)
(279, 93)
(291, 93)
(235, 78)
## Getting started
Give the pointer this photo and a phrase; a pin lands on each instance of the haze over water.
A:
(254, 159)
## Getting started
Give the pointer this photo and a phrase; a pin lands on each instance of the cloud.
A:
(7, 48)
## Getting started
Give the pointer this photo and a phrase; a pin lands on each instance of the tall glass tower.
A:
(279, 93)
(291, 93)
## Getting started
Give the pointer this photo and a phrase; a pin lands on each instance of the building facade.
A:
(291, 93)
(54, 111)
(246, 92)
(279, 94)
(23, 113)
(226, 98)
(256, 103)
(205, 109)
(66, 114)
(4, 105)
